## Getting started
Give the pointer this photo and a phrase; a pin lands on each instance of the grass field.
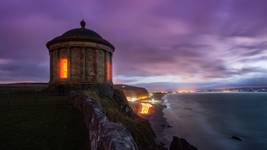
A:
(33, 120)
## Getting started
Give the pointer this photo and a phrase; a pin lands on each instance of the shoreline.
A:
(159, 124)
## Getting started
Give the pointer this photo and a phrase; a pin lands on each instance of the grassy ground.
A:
(31, 120)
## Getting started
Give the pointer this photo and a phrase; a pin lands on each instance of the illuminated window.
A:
(63, 68)
(108, 71)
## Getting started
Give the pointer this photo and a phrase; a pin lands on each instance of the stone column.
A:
(81, 64)
(95, 65)
(57, 64)
(105, 66)
(51, 66)
(110, 59)
(69, 62)
(84, 64)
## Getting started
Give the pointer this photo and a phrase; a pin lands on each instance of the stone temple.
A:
(80, 57)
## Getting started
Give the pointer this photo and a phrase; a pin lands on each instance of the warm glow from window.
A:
(108, 72)
(145, 108)
(63, 68)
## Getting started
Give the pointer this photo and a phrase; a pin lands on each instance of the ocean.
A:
(209, 120)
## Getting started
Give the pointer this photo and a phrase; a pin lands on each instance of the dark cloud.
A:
(196, 41)
(23, 71)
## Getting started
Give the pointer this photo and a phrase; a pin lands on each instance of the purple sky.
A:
(194, 43)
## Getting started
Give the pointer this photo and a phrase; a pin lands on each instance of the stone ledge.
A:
(103, 134)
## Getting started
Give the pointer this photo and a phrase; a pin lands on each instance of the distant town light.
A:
(185, 91)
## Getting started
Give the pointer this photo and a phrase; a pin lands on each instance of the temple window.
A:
(63, 68)
(108, 71)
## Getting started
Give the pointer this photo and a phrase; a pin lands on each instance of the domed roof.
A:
(80, 34)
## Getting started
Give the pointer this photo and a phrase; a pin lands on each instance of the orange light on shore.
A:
(145, 108)
(137, 98)
(132, 99)
(63, 68)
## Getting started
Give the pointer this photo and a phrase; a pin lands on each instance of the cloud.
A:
(156, 41)
(14, 70)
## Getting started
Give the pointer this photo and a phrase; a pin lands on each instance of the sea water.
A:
(209, 120)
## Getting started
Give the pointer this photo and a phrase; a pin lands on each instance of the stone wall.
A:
(103, 134)
(86, 63)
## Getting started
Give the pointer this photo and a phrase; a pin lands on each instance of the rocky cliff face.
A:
(132, 92)
(103, 134)
(112, 124)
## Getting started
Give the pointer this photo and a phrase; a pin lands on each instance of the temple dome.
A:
(80, 34)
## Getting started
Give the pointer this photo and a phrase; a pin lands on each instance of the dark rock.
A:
(166, 126)
(162, 146)
(121, 100)
(180, 144)
(169, 126)
(119, 96)
(236, 138)
(105, 90)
